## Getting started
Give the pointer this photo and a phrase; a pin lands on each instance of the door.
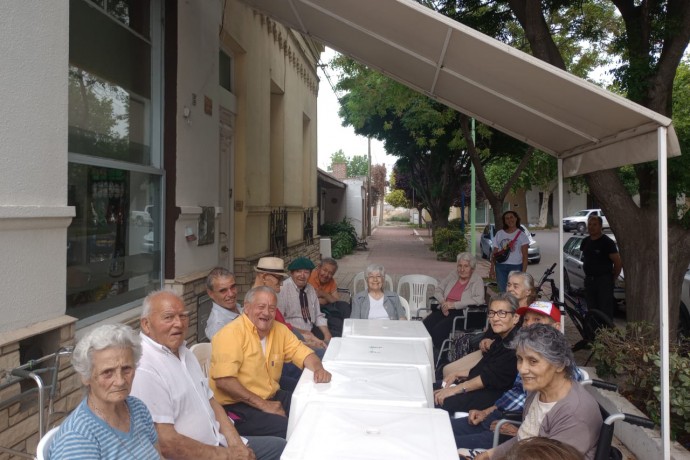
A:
(226, 181)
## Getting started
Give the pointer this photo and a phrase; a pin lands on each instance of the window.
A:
(114, 182)
(225, 70)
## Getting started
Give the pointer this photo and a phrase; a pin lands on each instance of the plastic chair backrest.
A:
(202, 351)
(418, 287)
(359, 279)
(44, 444)
(406, 306)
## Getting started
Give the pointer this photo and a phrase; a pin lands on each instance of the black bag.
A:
(502, 255)
(464, 344)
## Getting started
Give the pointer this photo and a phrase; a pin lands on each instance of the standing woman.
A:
(108, 423)
(514, 241)
(375, 303)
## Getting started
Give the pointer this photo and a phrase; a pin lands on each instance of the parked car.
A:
(574, 276)
(486, 244)
(684, 325)
(141, 218)
(578, 222)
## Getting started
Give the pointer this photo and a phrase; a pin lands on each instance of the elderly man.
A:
(326, 288)
(299, 303)
(190, 423)
(222, 289)
(246, 363)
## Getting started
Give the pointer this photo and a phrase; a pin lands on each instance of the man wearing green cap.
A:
(299, 303)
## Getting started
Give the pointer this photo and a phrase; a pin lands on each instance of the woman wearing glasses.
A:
(495, 372)
(375, 303)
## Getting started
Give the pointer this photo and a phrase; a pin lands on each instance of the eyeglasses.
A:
(375, 277)
(500, 313)
(169, 318)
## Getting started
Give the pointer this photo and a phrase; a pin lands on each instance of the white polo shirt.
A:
(176, 392)
(218, 318)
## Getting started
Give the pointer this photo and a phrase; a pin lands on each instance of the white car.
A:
(578, 222)
(684, 325)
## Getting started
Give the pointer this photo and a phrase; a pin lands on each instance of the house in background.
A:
(146, 142)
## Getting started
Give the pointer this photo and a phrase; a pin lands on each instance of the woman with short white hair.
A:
(108, 423)
(375, 303)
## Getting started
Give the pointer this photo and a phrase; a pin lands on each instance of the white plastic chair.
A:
(418, 288)
(406, 306)
(44, 444)
(359, 279)
(202, 351)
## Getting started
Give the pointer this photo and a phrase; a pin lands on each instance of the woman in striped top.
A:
(108, 423)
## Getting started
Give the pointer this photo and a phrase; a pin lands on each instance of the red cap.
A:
(543, 308)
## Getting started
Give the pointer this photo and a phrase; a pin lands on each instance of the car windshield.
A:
(582, 213)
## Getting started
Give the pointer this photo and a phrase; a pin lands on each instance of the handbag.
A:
(502, 255)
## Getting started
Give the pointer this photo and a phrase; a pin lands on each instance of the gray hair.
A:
(548, 342)
(106, 336)
(218, 272)
(505, 297)
(249, 296)
(375, 268)
(527, 282)
(147, 305)
(469, 258)
(330, 261)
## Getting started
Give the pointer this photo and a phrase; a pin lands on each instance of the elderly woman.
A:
(495, 373)
(375, 303)
(108, 423)
(512, 242)
(521, 286)
(557, 407)
(457, 291)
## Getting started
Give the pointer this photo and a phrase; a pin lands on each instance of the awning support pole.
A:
(560, 269)
(663, 294)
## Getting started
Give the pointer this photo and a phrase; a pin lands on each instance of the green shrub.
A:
(632, 355)
(455, 224)
(343, 237)
(399, 218)
(448, 244)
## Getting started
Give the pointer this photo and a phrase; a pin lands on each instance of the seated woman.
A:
(461, 288)
(557, 407)
(521, 286)
(375, 303)
(108, 423)
(495, 372)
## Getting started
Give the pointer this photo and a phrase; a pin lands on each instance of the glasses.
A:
(375, 277)
(279, 279)
(500, 313)
(169, 318)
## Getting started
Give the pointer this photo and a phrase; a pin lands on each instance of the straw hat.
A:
(272, 266)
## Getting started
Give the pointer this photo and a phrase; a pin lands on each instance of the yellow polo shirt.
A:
(237, 352)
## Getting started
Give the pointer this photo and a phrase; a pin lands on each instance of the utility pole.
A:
(368, 201)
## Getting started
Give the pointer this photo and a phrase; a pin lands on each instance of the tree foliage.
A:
(397, 199)
(357, 166)
(649, 38)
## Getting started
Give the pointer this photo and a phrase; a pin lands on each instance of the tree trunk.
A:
(544, 208)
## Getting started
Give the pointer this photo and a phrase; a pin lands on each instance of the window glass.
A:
(113, 243)
(109, 87)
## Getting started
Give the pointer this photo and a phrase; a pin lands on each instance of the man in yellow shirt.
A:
(246, 362)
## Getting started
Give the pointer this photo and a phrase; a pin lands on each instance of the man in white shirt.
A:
(169, 380)
(221, 287)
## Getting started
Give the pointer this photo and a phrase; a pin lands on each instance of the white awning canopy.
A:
(586, 126)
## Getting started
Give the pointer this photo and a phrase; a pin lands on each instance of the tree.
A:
(378, 182)
(651, 39)
(357, 166)
(397, 199)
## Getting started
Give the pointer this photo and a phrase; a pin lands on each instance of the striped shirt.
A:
(83, 435)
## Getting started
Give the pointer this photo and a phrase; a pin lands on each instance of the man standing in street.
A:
(299, 303)
(602, 265)
(336, 310)
(190, 423)
(221, 287)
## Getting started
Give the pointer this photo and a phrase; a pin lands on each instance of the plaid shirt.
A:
(514, 399)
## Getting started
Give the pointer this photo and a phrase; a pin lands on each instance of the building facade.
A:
(146, 142)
